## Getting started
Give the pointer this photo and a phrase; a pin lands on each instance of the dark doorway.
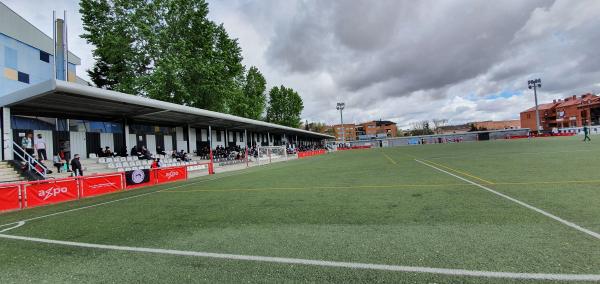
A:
(93, 143)
(119, 142)
(483, 136)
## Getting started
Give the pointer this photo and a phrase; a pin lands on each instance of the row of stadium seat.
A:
(117, 159)
(129, 164)
(191, 165)
(231, 162)
(132, 169)
(143, 163)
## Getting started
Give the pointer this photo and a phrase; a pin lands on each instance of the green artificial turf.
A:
(370, 206)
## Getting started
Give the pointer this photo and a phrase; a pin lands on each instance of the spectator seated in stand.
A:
(59, 163)
(181, 156)
(141, 154)
(160, 150)
(108, 152)
(145, 154)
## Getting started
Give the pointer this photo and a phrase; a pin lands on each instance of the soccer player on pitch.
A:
(586, 132)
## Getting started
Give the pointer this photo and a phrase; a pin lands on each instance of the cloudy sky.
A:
(402, 60)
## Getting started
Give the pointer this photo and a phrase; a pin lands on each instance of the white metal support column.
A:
(268, 139)
(126, 135)
(246, 143)
(210, 144)
(191, 139)
(6, 135)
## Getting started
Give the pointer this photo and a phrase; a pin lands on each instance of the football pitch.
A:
(487, 212)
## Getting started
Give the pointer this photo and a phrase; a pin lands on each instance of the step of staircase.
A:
(8, 174)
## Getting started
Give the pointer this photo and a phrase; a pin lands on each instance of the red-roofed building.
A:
(572, 111)
(547, 116)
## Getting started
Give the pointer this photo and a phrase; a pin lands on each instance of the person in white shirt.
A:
(27, 143)
(40, 146)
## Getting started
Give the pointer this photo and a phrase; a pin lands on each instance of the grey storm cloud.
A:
(411, 45)
(388, 51)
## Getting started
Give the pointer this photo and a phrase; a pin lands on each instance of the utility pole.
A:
(535, 84)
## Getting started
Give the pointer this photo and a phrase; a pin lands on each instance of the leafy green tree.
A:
(164, 49)
(285, 106)
(251, 101)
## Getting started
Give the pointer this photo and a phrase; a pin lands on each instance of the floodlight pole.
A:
(340, 107)
(534, 84)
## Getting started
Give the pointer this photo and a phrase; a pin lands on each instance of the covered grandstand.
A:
(80, 119)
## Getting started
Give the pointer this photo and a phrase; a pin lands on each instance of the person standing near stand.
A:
(40, 146)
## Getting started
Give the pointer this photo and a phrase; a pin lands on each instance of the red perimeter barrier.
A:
(353, 148)
(542, 135)
(10, 197)
(101, 184)
(50, 191)
(305, 154)
(170, 174)
(38, 193)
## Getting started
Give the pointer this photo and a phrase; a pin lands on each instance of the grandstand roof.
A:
(55, 98)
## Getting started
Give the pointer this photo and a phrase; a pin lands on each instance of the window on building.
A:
(44, 56)
(23, 77)
(218, 136)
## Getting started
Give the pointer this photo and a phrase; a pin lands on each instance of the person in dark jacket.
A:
(76, 166)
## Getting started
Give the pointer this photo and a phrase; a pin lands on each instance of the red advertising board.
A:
(10, 197)
(171, 174)
(305, 154)
(101, 184)
(50, 191)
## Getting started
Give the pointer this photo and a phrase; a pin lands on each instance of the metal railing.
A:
(29, 160)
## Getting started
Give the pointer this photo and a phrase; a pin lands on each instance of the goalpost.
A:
(270, 154)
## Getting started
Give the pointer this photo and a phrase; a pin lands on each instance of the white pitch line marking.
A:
(550, 215)
(325, 263)
(19, 224)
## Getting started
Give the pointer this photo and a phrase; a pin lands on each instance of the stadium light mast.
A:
(340, 107)
(535, 84)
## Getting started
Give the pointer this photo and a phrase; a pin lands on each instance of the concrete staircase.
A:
(8, 173)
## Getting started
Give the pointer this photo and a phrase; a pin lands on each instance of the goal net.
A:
(270, 154)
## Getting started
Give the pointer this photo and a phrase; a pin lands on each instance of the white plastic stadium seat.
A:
(101, 160)
(135, 158)
(109, 160)
(137, 163)
(93, 156)
(120, 170)
(127, 169)
(123, 159)
(119, 165)
(129, 159)
(111, 166)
